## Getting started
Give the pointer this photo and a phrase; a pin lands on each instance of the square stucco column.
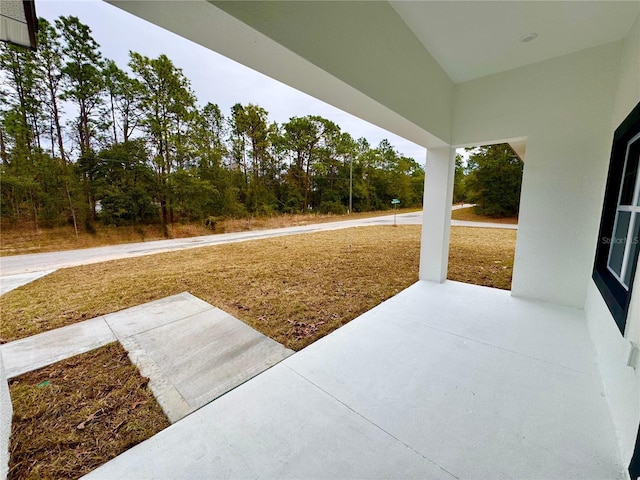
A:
(436, 219)
(6, 413)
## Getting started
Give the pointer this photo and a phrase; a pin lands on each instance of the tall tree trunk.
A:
(3, 148)
(35, 130)
(85, 142)
(53, 140)
(163, 209)
(113, 120)
(73, 210)
(56, 121)
(125, 127)
(35, 210)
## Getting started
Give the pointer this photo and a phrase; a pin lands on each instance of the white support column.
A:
(436, 220)
(6, 413)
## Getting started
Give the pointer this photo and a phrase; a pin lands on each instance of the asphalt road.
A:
(41, 263)
(36, 262)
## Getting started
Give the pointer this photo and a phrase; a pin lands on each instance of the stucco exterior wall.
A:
(6, 412)
(563, 108)
(621, 382)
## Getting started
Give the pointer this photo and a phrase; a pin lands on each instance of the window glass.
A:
(633, 246)
(618, 242)
(630, 175)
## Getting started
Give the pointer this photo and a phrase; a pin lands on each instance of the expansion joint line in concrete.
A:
(369, 421)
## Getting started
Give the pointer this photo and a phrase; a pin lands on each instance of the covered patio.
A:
(445, 380)
(548, 381)
(448, 380)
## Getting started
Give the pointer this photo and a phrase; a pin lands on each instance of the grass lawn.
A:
(72, 416)
(467, 215)
(294, 289)
(482, 256)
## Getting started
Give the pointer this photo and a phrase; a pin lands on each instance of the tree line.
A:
(83, 140)
(490, 178)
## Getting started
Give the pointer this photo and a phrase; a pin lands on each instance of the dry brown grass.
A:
(74, 415)
(482, 256)
(25, 238)
(294, 289)
(21, 239)
(467, 215)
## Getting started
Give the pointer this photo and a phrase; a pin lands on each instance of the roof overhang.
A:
(18, 22)
(519, 147)
(397, 64)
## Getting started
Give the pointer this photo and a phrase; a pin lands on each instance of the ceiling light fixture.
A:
(528, 37)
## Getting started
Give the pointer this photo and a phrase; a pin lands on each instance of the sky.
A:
(214, 78)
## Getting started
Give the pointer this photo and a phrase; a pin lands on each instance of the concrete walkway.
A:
(448, 381)
(191, 351)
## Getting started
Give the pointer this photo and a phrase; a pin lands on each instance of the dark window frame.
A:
(615, 295)
(634, 466)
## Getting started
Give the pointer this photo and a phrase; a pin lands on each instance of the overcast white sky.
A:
(214, 78)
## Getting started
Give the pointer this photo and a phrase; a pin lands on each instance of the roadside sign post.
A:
(395, 202)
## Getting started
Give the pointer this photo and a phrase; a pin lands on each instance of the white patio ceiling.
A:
(472, 39)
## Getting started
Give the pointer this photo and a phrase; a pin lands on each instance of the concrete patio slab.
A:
(276, 426)
(173, 404)
(522, 327)
(142, 318)
(469, 379)
(512, 409)
(37, 351)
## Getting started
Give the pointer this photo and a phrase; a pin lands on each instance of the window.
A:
(619, 239)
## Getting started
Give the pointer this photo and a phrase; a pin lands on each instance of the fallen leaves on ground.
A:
(74, 415)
